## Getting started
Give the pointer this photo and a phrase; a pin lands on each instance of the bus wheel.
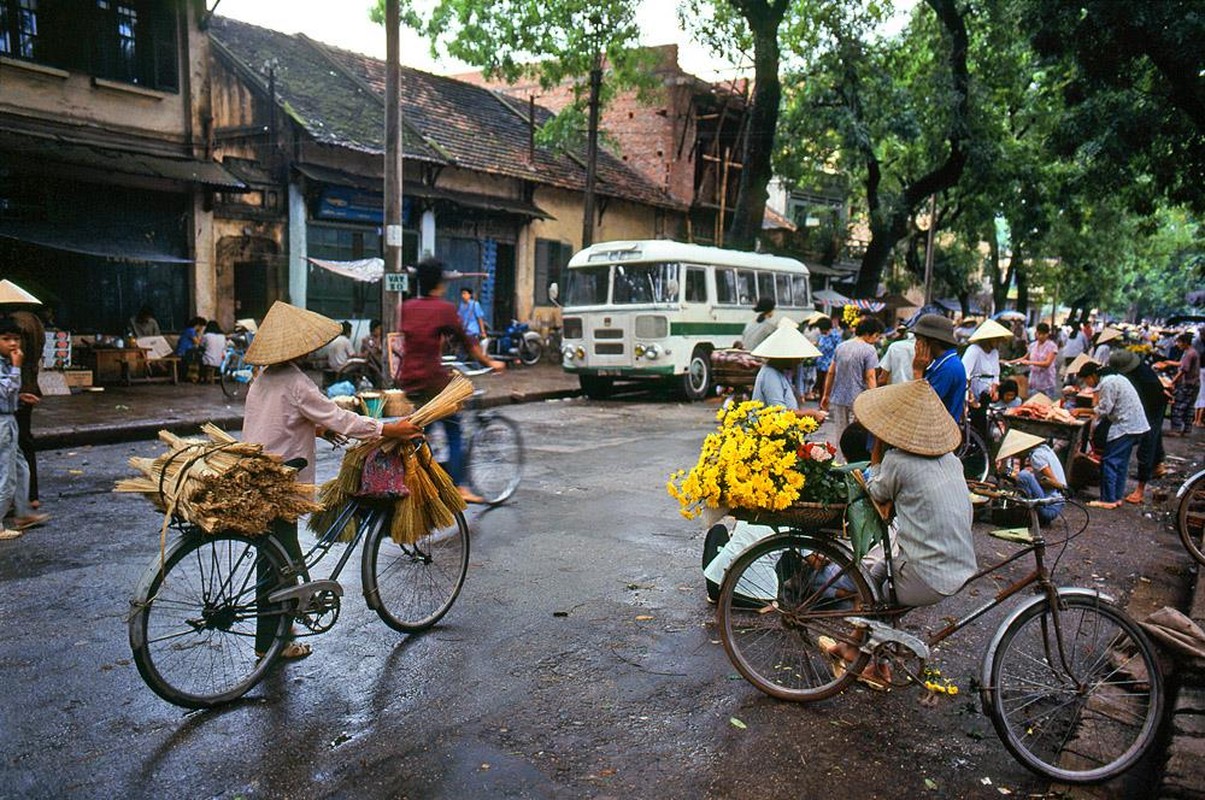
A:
(697, 379)
(595, 387)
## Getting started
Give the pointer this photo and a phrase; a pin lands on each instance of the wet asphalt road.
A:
(580, 660)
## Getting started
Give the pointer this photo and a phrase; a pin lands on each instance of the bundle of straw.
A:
(433, 498)
(220, 484)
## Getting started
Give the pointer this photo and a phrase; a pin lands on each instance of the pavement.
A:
(122, 414)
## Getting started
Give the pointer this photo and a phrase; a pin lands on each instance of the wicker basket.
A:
(812, 515)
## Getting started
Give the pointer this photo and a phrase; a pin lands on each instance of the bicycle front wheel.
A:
(235, 379)
(1190, 519)
(778, 599)
(1082, 713)
(974, 455)
(494, 461)
(195, 621)
(412, 586)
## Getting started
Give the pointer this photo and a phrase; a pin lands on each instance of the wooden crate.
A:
(77, 377)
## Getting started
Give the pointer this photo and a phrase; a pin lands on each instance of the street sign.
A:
(396, 282)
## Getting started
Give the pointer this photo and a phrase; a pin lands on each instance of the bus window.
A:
(696, 285)
(785, 296)
(746, 287)
(645, 283)
(765, 285)
(800, 296)
(587, 286)
(725, 287)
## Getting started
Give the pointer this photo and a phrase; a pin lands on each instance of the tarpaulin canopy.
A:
(873, 306)
(114, 242)
(831, 298)
(370, 270)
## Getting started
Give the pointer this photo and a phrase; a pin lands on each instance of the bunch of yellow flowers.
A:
(935, 683)
(851, 315)
(749, 462)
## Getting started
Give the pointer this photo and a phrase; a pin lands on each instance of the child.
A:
(1008, 394)
(1040, 473)
(14, 469)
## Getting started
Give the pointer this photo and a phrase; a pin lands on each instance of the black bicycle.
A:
(197, 611)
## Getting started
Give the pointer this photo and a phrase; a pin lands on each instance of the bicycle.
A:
(196, 611)
(974, 452)
(1062, 668)
(493, 445)
(234, 373)
(1190, 516)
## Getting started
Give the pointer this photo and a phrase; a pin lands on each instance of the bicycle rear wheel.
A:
(412, 586)
(494, 461)
(194, 624)
(1084, 720)
(1190, 519)
(235, 378)
(778, 598)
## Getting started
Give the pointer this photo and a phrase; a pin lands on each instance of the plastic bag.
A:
(341, 388)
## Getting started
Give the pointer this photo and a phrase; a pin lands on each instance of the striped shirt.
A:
(933, 515)
(10, 386)
(1117, 400)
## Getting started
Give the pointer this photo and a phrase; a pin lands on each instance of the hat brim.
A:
(1016, 442)
(909, 416)
(289, 332)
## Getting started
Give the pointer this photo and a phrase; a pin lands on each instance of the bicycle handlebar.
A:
(987, 490)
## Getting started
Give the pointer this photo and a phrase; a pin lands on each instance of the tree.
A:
(554, 42)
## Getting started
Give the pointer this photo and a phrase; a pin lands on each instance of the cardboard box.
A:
(77, 377)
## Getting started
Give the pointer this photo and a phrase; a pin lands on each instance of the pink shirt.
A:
(1043, 379)
(284, 409)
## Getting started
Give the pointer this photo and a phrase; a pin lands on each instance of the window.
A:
(800, 296)
(785, 296)
(133, 41)
(765, 285)
(696, 285)
(725, 287)
(551, 259)
(645, 283)
(586, 286)
(746, 287)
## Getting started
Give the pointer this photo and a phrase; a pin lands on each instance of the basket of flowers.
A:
(759, 466)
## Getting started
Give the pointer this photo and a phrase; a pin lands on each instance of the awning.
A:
(41, 149)
(370, 270)
(775, 221)
(487, 202)
(873, 306)
(122, 244)
(951, 304)
(831, 298)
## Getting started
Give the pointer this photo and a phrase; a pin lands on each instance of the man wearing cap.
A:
(285, 412)
(1154, 404)
(425, 322)
(1040, 474)
(937, 358)
(761, 326)
(1118, 402)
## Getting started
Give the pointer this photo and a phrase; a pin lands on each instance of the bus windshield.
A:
(587, 286)
(645, 283)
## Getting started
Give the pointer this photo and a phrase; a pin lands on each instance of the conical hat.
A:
(786, 342)
(1040, 399)
(290, 332)
(815, 316)
(247, 324)
(1076, 363)
(1015, 442)
(12, 293)
(990, 329)
(1108, 335)
(787, 322)
(909, 416)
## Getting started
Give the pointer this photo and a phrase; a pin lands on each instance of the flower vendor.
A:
(783, 350)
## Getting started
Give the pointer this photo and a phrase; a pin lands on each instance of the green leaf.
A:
(736, 723)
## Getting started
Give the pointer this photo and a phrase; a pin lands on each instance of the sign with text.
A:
(396, 282)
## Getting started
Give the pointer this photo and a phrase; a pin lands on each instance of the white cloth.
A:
(213, 349)
(1118, 401)
(897, 361)
(978, 362)
(745, 536)
(283, 410)
(339, 352)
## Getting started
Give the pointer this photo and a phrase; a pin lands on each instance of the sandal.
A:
(1103, 504)
(32, 521)
(291, 652)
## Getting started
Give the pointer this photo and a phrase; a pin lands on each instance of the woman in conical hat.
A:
(1040, 474)
(286, 412)
(783, 350)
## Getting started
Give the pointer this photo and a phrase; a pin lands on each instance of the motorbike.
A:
(517, 341)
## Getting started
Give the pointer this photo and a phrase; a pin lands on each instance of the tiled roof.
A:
(446, 120)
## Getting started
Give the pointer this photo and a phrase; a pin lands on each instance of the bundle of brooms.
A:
(220, 484)
(433, 498)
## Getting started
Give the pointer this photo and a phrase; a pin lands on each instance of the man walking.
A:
(851, 373)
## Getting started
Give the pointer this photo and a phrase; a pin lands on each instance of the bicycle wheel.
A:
(974, 455)
(778, 598)
(411, 587)
(194, 623)
(494, 461)
(530, 352)
(235, 378)
(1190, 519)
(1084, 716)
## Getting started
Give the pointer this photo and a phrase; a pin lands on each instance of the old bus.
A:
(646, 310)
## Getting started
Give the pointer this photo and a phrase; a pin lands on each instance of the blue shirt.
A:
(774, 388)
(10, 386)
(186, 343)
(827, 346)
(948, 377)
(470, 313)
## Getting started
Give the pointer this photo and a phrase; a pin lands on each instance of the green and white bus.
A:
(656, 309)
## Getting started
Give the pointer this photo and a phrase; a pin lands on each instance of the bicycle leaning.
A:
(1069, 680)
(198, 610)
(1190, 515)
(234, 373)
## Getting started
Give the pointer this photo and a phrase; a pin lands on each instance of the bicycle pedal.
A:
(881, 633)
(304, 592)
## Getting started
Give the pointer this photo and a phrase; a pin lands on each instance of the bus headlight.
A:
(579, 353)
(652, 352)
(638, 350)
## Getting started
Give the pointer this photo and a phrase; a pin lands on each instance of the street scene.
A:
(602, 398)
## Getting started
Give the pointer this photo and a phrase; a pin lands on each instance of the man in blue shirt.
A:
(472, 315)
(936, 349)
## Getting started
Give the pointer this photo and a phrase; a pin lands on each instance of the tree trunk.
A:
(1022, 277)
(894, 226)
(1002, 277)
(592, 150)
(763, 17)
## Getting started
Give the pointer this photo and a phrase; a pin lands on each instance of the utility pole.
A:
(592, 148)
(393, 178)
(929, 249)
